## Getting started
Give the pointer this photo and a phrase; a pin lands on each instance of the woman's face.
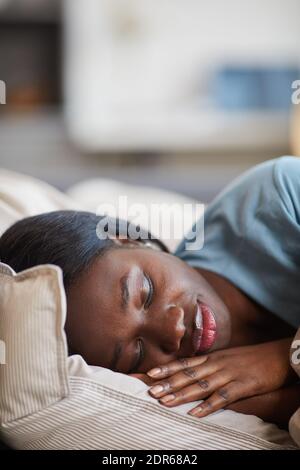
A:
(136, 308)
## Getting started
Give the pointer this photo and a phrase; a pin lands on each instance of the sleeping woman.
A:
(215, 324)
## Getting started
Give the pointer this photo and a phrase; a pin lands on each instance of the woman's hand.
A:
(223, 377)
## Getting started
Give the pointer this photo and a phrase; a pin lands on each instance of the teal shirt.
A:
(252, 236)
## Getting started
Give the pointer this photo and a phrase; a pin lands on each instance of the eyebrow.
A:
(124, 291)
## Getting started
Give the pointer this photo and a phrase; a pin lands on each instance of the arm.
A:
(274, 407)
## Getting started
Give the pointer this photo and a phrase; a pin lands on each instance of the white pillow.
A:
(23, 196)
(50, 401)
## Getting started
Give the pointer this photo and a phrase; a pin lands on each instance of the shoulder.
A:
(286, 172)
(265, 194)
(279, 171)
(278, 178)
(286, 178)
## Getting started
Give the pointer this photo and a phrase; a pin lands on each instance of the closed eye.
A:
(140, 358)
(150, 291)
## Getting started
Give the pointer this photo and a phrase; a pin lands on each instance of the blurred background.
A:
(182, 95)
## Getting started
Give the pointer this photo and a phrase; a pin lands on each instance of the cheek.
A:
(181, 277)
(86, 335)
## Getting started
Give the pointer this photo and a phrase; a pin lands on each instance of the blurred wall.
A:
(179, 94)
(138, 64)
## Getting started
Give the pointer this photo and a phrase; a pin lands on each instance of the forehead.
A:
(115, 261)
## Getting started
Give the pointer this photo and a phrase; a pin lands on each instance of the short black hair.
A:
(65, 238)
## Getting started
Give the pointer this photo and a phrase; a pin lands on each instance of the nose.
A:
(169, 328)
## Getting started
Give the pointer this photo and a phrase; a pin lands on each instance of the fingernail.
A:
(195, 411)
(156, 389)
(154, 372)
(168, 398)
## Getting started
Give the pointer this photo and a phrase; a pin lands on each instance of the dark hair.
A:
(67, 239)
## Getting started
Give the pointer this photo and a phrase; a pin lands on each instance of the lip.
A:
(205, 329)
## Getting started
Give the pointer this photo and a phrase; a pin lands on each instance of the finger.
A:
(171, 368)
(201, 389)
(184, 378)
(218, 400)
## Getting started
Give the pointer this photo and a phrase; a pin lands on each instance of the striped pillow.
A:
(50, 401)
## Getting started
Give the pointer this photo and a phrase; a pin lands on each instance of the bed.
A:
(60, 402)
